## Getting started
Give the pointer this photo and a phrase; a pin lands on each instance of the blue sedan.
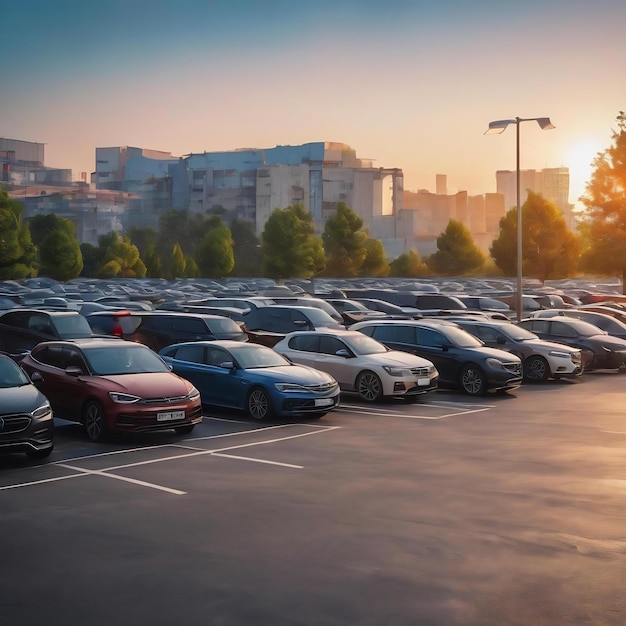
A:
(252, 378)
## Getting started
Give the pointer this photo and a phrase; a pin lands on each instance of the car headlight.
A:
(123, 398)
(194, 394)
(396, 371)
(289, 387)
(495, 362)
(41, 411)
(559, 355)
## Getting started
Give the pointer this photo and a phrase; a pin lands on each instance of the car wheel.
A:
(472, 380)
(94, 420)
(184, 430)
(39, 454)
(258, 404)
(536, 368)
(369, 387)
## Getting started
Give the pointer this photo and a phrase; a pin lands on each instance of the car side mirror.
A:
(300, 322)
(343, 352)
(73, 370)
(36, 377)
(227, 365)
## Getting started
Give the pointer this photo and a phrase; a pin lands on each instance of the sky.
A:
(408, 84)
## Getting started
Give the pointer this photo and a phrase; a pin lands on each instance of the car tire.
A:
(472, 380)
(184, 430)
(536, 369)
(39, 454)
(258, 405)
(369, 387)
(94, 421)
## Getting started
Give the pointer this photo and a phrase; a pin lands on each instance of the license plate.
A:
(423, 382)
(170, 415)
(323, 401)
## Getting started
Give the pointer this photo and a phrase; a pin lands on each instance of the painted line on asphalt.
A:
(317, 429)
(133, 481)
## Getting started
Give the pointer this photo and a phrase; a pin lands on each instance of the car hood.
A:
(396, 358)
(614, 343)
(158, 385)
(494, 353)
(300, 374)
(22, 399)
(551, 345)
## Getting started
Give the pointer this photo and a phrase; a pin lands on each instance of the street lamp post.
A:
(497, 127)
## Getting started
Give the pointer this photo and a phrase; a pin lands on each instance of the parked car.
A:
(26, 423)
(361, 364)
(391, 310)
(163, 328)
(112, 386)
(607, 352)
(22, 329)
(253, 378)
(541, 359)
(605, 322)
(267, 325)
(304, 300)
(462, 360)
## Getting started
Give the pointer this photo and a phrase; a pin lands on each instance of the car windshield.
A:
(11, 375)
(362, 344)
(585, 329)
(124, 359)
(250, 356)
(72, 326)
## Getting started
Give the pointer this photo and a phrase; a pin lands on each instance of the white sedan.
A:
(361, 364)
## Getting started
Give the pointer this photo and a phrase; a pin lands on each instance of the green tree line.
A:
(189, 245)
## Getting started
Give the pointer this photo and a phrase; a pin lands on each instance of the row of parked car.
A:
(127, 369)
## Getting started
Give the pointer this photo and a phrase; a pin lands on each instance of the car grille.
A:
(321, 388)
(420, 372)
(160, 401)
(515, 368)
(14, 423)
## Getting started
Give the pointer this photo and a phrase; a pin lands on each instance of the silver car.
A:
(361, 364)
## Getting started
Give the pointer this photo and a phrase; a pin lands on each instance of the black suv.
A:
(163, 328)
(22, 329)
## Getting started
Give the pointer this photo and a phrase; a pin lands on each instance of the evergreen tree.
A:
(408, 265)
(18, 254)
(344, 243)
(375, 263)
(457, 253)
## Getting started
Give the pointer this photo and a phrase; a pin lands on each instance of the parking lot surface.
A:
(503, 509)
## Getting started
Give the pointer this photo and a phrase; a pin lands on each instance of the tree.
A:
(152, 261)
(605, 201)
(246, 249)
(456, 251)
(290, 247)
(549, 248)
(18, 254)
(177, 262)
(122, 259)
(92, 259)
(215, 252)
(60, 256)
(344, 242)
(375, 263)
(408, 265)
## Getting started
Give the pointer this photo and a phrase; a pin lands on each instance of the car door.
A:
(303, 349)
(342, 367)
(189, 362)
(224, 383)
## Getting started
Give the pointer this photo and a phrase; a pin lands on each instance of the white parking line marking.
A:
(81, 471)
(134, 481)
(437, 405)
(246, 458)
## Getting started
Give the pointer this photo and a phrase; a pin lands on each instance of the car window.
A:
(19, 319)
(50, 355)
(73, 358)
(562, 330)
(189, 325)
(216, 356)
(71, 327)
(41, 324)
(304, 343)
(251, 355)
(11, 374)
(222, 325)
(330, 345)
(395, 333)
(430, 337)
(193, 353)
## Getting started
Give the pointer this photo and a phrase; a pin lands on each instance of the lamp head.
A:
(499, 126)
(545, 123)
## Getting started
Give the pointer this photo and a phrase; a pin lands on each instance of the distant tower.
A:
(442, 185)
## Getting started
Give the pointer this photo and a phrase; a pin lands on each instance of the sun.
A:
(578, 158)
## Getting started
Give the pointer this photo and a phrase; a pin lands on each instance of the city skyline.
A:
(412, 86)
